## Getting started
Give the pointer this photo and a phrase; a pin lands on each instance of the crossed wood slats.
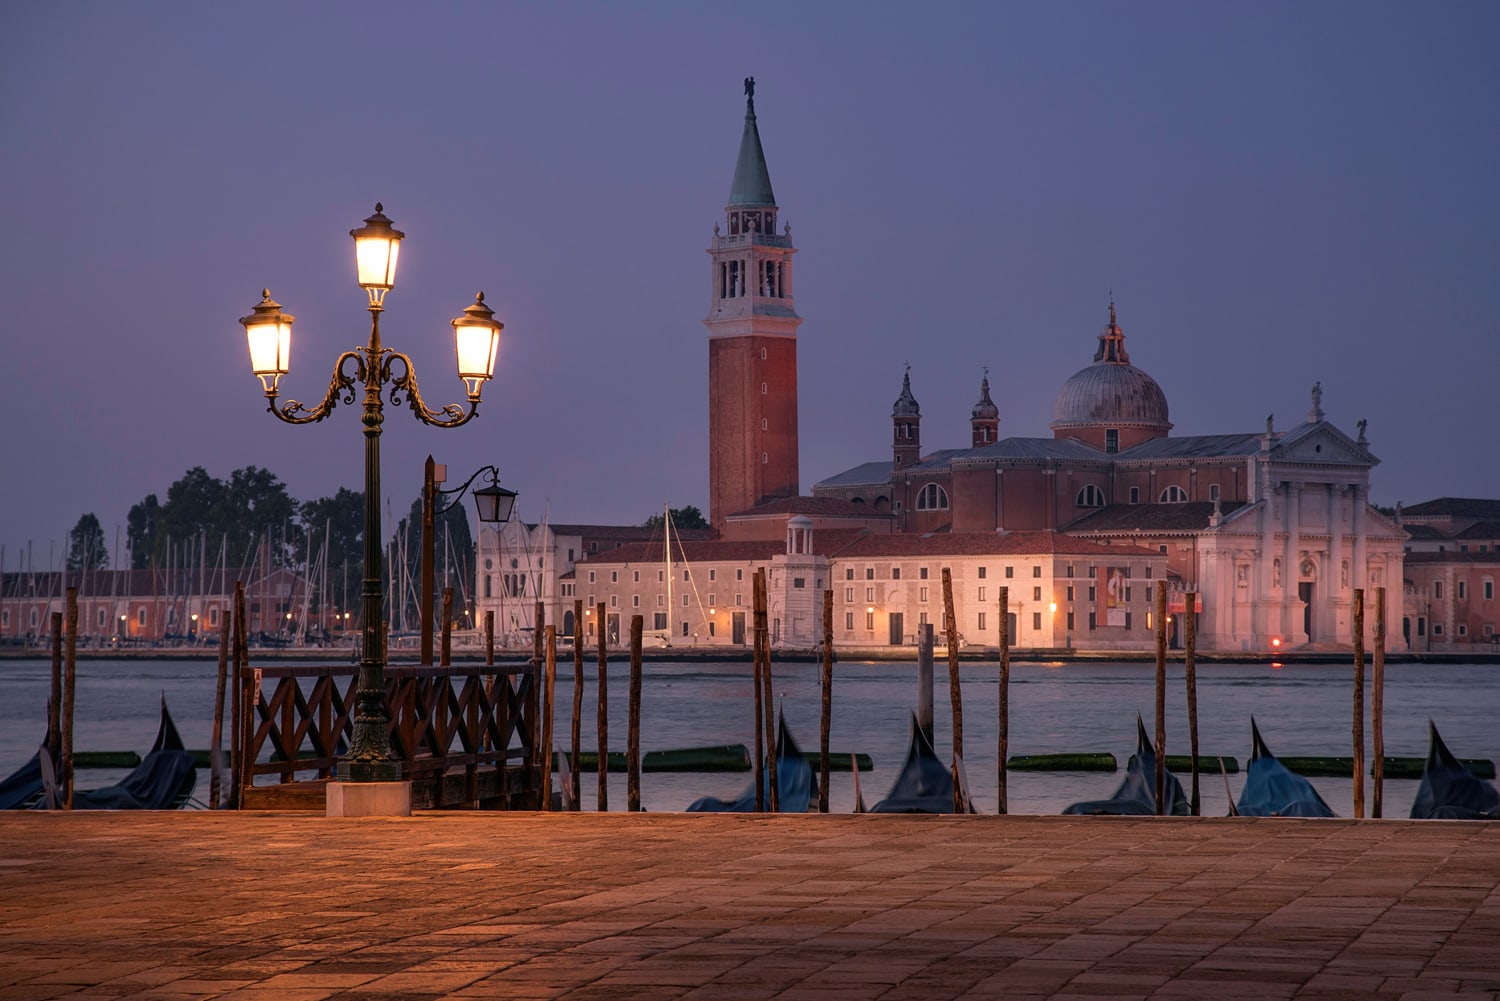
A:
(464, 734)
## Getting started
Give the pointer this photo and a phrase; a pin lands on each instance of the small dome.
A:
(906, 404)
(985, 409)
(1111, 391)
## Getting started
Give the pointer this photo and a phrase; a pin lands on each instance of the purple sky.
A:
(1276, 194)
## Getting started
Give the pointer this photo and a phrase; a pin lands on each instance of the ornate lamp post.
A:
(476, 340)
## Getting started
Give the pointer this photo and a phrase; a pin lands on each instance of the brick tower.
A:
(752, 343)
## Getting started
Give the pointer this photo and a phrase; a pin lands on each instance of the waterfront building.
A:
(1273, 530)
(156, 607)
(1452, 565)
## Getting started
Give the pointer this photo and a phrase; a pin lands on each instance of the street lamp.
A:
(494, 504)
(269, 334)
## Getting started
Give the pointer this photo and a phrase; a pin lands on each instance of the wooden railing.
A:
(466, 735)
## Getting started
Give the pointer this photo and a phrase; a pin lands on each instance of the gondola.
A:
(795, 783)
(23, 787)
(1273, 790)
(924, 785)
(1136, 796)
(164, 779)
(1449, 791)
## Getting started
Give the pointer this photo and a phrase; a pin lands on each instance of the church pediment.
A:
(1321, 443)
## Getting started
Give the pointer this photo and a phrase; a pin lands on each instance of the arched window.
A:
(932, 498)
(1174, 495)
(1090, 496)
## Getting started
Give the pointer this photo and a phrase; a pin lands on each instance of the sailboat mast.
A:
(666, 524)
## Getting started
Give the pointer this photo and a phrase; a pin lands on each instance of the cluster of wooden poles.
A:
(766, 792)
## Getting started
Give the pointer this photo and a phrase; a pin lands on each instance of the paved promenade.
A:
(464, 905)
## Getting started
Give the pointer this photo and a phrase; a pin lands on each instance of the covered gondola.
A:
(1136, 796)
(924, 785)
(1273, 790)
(23, 787)
(164, 779)
(795, 783)
(1449, 791)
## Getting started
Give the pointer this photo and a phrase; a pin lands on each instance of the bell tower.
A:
(752, 343)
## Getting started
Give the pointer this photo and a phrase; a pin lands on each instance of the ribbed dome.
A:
(1113, 394)
(1111, 391)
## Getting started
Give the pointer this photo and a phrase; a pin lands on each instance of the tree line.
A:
(237, 521)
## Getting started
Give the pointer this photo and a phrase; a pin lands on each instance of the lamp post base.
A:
(368, 799)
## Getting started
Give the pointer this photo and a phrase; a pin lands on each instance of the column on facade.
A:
(1335, 573)
(1359, 573)
(1290, 572)
(1263, 620)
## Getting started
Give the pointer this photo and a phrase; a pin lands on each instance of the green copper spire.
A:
(752, 182)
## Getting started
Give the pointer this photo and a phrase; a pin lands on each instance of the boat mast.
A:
(666, 524)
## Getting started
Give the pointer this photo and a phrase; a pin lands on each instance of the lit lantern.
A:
(269, 333)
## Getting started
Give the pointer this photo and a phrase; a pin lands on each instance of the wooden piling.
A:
(1377, 706)
(538, 689)
(236, 645)
(827, 719)
(633, 721)
(575, 771)
(1161, 697)
(603, 801)
(445, 652)
(54, 700)
(758, 682)
(1190, 664)
(1359, 702)
(955, 688)
(768, 702)
(70, 686)
(489, 637)
(547, 719)
(217, 749)
(924, 678)
(1003, 720)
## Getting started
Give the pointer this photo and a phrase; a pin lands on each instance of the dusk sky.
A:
(1276, 194)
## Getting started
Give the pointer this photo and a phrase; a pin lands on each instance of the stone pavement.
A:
(471, 905)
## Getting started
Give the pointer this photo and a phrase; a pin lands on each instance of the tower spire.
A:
(752, 181)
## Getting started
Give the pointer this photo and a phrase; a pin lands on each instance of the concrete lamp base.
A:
(369, 799)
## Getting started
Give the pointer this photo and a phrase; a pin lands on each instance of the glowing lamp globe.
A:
(476, 338)
(377, 244)
(269, 333)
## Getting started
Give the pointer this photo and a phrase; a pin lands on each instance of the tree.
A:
(682, 517)
(141, 526)
(87, 551)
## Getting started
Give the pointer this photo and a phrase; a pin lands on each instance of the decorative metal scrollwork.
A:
(342, 384)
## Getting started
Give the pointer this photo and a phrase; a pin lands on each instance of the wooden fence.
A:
(466, 735)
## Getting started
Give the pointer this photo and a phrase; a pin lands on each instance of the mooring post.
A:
(603, 716)
(759, 768)
(54, 700)
(769, 700)
(955, 687)
(489, 637)
(547, 719)
(827, 703)
(236, 693)
(1377, 705)
(217, 751)
(70, 685)
(1161, 697)
(1003, 721)
(633, 721)
(1359, 702)
(575, 771)
(924, 678)
(538, 692)
(1190, 665)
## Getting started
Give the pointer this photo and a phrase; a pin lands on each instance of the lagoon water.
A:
(1054, 708)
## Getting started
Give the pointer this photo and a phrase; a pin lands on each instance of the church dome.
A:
(985, 409)
(1111, 391)
(906, 404)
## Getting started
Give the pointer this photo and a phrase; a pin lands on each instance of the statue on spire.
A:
(750, 87)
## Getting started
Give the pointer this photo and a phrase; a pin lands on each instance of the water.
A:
(1301, 709)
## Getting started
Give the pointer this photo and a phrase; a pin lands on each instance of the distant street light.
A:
(476, 334)
(494, 504)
